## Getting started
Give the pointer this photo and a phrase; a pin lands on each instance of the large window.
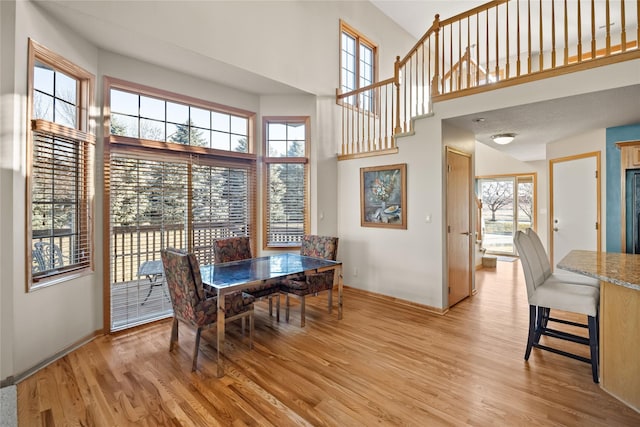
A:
(60, 168)
(286, 178)
(358, 58)
(141, 116)
(175, 180)
(508, 205)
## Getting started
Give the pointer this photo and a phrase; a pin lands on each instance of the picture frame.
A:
(383, 196)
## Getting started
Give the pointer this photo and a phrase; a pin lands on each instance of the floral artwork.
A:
(383, 196)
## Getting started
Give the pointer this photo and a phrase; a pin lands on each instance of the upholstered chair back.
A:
(231, 249)
(540, 252)
(325, 247)
(533, 270)
(182, 273)
(319, 247)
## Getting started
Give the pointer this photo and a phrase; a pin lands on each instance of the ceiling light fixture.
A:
(503, 138)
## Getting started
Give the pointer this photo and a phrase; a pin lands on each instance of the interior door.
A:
(575, 201)
(458, 225)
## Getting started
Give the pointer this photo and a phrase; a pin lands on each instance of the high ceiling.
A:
(535, 124)
(416, 16)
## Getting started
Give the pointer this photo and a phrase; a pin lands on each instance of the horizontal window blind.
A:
(221, 206)
(157, 203)
(286, 203)
(60, 177)
(149, 199)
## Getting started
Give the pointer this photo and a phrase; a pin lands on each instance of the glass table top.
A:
(259, 269)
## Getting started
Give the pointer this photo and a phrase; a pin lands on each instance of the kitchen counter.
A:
(619, 274)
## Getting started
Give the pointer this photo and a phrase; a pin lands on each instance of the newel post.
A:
(396, 82)
(436, 74)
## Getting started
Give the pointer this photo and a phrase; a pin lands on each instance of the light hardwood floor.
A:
(383, 364)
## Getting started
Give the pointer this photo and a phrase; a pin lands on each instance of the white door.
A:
(575, 216)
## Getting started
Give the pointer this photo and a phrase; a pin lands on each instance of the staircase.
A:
(498, 44)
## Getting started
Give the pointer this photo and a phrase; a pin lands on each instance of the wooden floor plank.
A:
(385, 363)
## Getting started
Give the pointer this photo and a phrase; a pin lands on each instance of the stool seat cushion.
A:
(567, 297)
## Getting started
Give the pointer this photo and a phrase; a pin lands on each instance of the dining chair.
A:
(237, 249)
(545, 294)
(319, 247)
(190, 304)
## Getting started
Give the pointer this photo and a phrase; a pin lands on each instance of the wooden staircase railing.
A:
(498, 44)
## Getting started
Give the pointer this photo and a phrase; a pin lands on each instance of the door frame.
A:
(471, 228)
(552, 162)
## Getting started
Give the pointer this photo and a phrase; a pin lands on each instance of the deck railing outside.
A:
(494, 45)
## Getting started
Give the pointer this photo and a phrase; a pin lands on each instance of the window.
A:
(286, 179)
(141, 116)
(168, 188)
(59, 179)
(508, 205)
(358, 58)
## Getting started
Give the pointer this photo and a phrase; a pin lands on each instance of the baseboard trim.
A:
(23, 375)
(427, 308)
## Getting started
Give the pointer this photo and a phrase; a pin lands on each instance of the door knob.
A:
(555, 228)
(466, 233)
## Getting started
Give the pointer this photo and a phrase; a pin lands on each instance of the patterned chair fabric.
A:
(237, 249)
(190, 305)
(318, 247)
(231, 249)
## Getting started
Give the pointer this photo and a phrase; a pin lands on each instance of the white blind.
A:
(221, 206)
(157, 203)
(286, 203)
(60, 224)
(148, 212)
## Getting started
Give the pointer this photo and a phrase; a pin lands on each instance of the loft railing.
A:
(498, 44)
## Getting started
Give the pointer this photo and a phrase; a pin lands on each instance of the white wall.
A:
(49, 320)
(292, 42)
(406, 264)
(8, 168)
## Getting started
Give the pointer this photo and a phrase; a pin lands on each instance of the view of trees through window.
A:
(139, 116)
(60, 156)
(357, 69)
(286, 181)
(167, 196)
(55, 96)
(507, 206)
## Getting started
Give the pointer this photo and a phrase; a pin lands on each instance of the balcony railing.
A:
(494, 45)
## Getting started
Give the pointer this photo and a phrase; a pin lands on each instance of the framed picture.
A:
(383, 196)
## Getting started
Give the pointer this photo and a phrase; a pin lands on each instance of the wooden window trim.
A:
(166, 151)
(85, 131)
(136, 88)
(266, 160)
(360, 39)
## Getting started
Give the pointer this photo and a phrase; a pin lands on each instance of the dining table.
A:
(619, 276)
(229, 277)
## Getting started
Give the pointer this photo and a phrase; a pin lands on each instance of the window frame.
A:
(516, 179)
(360, 39)
(84, 134)
(268, 160)
(171, 152)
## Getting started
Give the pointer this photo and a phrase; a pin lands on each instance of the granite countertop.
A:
(617, 268)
